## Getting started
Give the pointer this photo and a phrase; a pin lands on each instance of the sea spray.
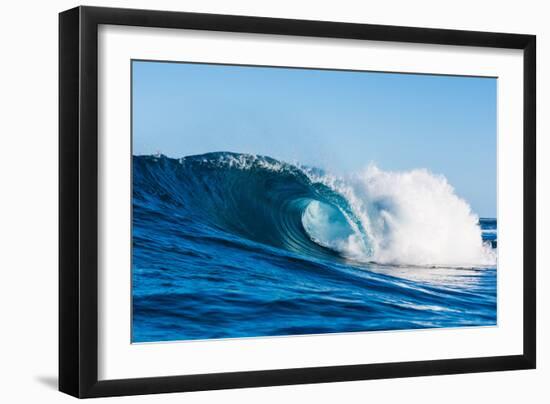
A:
(409, 218)
(416, 218)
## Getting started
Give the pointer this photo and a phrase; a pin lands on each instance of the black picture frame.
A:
(78, 201)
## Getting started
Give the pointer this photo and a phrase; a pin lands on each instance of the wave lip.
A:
(412, 218)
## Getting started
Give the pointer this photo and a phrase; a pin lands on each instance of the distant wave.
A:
(397, 218)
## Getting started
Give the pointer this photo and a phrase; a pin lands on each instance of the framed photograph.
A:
(250, 201)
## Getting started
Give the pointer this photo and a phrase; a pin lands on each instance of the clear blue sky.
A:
(340, 121)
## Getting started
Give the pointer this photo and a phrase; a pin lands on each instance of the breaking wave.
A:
(397, 218)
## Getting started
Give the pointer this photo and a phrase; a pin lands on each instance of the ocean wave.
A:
(397, 218)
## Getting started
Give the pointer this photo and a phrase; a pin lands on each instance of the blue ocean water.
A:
(230, 245)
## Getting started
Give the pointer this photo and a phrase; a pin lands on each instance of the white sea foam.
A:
(409, 218)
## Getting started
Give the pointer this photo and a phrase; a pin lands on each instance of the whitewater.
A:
(410, 218)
